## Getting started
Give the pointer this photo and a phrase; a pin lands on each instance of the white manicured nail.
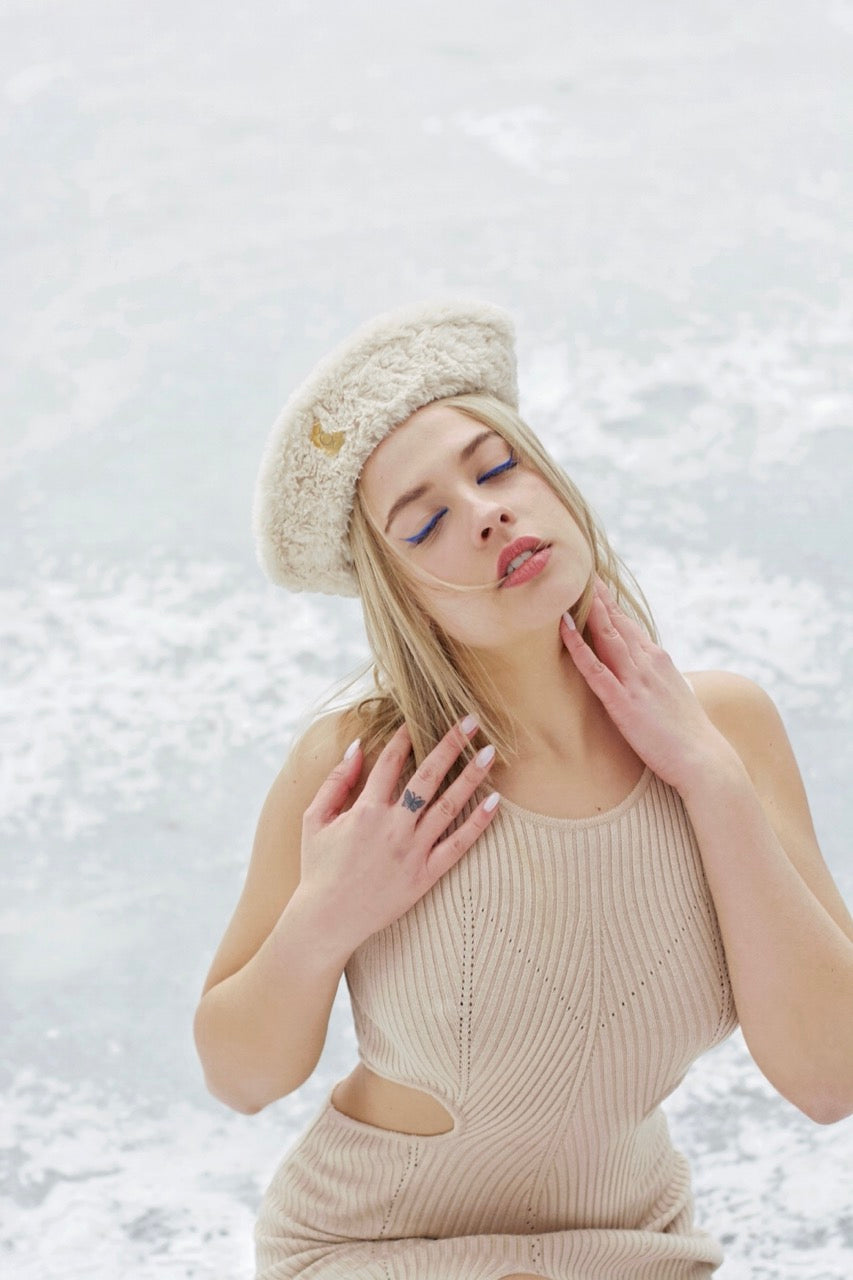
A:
(485, 756)
(351, 749)
(469, 724)
(491, 802)
(569, 621)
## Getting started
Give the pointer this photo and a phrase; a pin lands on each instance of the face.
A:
(454, 502)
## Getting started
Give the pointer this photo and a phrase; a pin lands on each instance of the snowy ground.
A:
(200, 199)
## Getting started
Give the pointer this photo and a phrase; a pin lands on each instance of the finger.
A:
(432, 770)
(426, 781)
(332, 794)
(390, 762)
(610, 644)
(449, 851)
(629, 626)
(438, 817)
(599, 677)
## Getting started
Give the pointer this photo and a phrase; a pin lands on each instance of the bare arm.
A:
(787, 934)
(260, 1032)
(326, 872)
(261, 1024)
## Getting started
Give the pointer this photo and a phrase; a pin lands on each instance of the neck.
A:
(555, 712)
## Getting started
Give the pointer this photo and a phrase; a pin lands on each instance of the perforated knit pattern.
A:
(550, 990)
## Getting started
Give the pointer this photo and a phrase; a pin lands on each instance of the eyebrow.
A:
(412, 495)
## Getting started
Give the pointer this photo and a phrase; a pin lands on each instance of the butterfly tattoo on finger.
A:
(412, 801)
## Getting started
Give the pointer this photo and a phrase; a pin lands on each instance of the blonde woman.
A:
(553, 869)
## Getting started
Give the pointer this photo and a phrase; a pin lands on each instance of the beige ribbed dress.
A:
(550, 990)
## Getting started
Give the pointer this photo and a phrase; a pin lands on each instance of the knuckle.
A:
(451, 744)
(449, 747)
(399, 757)
(364, 818)
(445, 807)
(429, 771)
(370, 810)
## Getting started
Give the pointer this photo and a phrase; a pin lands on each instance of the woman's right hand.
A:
(370, 863)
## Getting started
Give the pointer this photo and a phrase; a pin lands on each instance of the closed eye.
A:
(424, 533)
(496, 471)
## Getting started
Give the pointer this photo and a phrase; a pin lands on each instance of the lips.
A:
(515, 549)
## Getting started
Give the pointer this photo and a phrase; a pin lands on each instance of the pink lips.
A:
(515, 549)
(530, 569)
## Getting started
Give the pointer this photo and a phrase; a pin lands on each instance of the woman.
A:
(550, 866)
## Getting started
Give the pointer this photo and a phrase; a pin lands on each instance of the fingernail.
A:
(485, 756)
(492, 801)
(569, 621)
(351, 749)
(469, 724)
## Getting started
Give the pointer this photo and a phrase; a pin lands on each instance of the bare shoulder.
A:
(747, 716)
(723, 687)
(316, 752)
(741, 710)
(318, 749)
(312, 758)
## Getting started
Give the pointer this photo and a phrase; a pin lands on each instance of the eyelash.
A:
(419, 538)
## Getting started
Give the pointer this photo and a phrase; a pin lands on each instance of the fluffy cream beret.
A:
(368, 385)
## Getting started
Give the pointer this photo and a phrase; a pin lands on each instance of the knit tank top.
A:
(561, 977)
(549, 990)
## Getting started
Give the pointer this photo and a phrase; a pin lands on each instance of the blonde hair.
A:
(423, 676)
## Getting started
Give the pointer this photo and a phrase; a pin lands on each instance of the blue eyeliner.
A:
(495, 471)
(428, 528)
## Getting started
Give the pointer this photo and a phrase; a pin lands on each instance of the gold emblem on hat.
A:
(329, 442)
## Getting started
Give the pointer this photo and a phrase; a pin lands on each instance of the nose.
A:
(489, 516)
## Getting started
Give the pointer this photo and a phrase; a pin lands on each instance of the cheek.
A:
(458, 615)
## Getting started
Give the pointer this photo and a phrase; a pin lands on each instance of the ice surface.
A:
(201, 199)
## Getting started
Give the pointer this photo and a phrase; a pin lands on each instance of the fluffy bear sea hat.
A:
(391, 366)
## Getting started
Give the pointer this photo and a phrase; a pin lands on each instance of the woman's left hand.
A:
(643, 692)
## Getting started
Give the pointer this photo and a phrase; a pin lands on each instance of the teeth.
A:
(519, 560)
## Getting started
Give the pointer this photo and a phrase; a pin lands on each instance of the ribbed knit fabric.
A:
(550, 990)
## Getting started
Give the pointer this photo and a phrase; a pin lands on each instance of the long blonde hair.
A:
(420, 674)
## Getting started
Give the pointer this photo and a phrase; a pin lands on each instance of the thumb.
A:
(332, 794)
